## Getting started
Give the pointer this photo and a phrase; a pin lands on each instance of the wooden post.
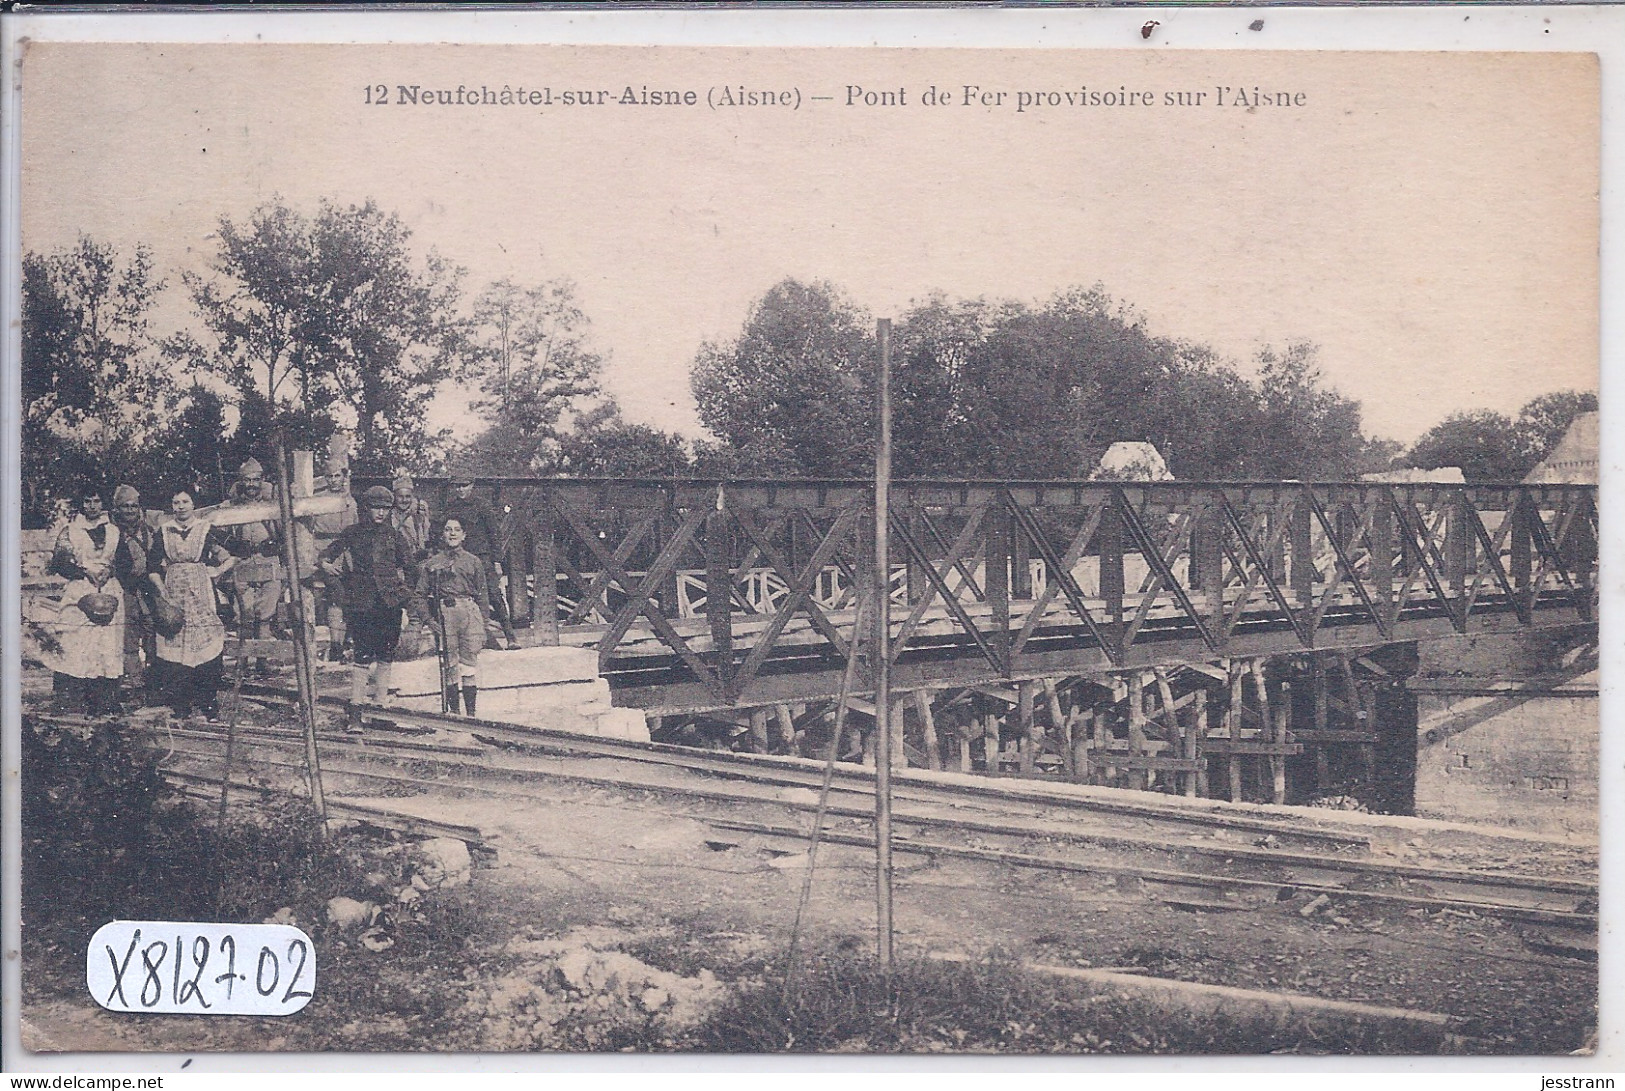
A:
(1103, 740)
(1303, 554)
(1208, 556)
(1021, 569)
(544, 616)
(964, 745)
(1110, 536)
(1323, 761)
(1062, 726)
(1381, 543)
(1194, 737)
(1522, 561)
(719, 592)
(918, 582)
(1138, 778)
(1181, 736)
(787, 726)
(1024, 716)
(1276, 718)
(1459, 544)
(1081, 769)
(882, 649)
(303, 661)
(996, 583)
(758, 729)
(928, 728)
(992, 750)
(1232, 724)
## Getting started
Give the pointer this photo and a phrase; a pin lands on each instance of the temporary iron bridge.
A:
(1115, 632)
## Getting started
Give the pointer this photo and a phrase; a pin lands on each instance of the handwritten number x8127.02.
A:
(206, 969)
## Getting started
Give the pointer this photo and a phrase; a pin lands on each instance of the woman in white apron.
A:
(188, 556)
(89, 659)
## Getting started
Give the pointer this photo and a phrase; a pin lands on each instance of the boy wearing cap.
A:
(479, 524)
(377, 570)
(454, 594)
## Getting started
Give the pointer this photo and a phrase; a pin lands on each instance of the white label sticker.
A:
(201, 969)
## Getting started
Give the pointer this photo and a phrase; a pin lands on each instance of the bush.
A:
(105, 837)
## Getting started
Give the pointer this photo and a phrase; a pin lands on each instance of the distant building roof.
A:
(1131, 461)
(1574, 460)
(1442, 475)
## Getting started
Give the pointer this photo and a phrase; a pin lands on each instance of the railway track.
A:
(1018, 825)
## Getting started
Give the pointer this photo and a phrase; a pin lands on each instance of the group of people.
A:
(146, 593)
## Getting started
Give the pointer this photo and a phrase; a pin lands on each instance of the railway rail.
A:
(1024, 824)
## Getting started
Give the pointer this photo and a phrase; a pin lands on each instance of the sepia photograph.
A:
(596, 549)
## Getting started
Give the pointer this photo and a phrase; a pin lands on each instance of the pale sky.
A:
(1429, 220)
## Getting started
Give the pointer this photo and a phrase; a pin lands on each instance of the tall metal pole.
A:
(880, 649)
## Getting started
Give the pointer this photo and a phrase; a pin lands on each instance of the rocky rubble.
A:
(571, 992)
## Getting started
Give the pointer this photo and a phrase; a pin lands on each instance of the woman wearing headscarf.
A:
(88, 660)
(188, 555)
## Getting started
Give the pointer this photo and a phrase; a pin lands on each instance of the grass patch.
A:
(843, 1003)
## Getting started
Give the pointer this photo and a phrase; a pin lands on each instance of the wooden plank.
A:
(1251, 746)
(1332, 736)
(267, 511)
(1142, 763)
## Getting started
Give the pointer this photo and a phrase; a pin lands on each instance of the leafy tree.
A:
(192, 452)
(1308, 431)
(792, 395)
(538, 373)
(1490, 447)
(1005, 389)
(318, 316)
(94, 390)
(1483, 443)
(604, 445)
(1543, 421)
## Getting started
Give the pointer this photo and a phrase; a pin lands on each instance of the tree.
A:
(330, 314)
(191, 453)
(604, 445)
(1543, 421)
(538, 373)
(1483, 443)
(990, 388)
(792, 394)
(94, 390)
(1309, 431)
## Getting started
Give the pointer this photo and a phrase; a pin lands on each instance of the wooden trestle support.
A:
(1282, 729)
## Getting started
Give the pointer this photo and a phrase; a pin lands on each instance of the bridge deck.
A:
(716, 594)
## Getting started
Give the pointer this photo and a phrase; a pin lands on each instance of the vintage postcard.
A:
(592, 548)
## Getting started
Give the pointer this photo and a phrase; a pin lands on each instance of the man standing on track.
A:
(479, 524)
(377, 571)
(456, 600)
